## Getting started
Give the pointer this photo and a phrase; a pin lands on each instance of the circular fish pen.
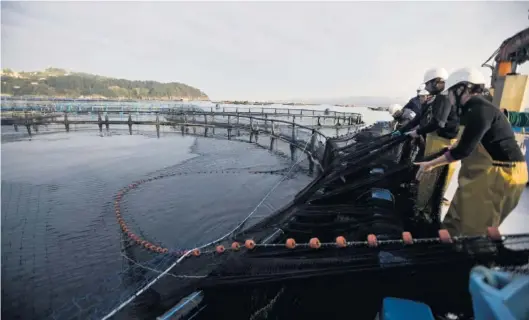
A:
(336, 233)
(51, 192)
(356, 222)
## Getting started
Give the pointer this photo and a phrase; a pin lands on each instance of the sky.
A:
(260, 50)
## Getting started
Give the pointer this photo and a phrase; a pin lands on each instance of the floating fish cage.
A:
(352, 237)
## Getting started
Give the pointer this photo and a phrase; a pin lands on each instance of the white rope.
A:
(182, 276)
(139, 292)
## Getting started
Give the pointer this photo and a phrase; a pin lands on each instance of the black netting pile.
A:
(367, 187)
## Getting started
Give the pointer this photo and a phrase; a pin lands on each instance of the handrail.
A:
(169, 110)
(50, 119)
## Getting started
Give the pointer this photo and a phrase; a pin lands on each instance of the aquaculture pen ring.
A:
(138, 240)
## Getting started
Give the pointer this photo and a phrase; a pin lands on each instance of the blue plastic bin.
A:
(499, 295)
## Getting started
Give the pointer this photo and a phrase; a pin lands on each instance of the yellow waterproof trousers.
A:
(434, 143)
(488, 191)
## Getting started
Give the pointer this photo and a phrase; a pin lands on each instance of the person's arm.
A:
(398, 115)
(479, 122)
(414, 122)
(410, 125)
(441, 110)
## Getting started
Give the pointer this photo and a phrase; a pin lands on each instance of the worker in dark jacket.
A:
(438, 125)
(411, 110)
(493, 169)
(439, 120)
(396, 112)
(415, 103)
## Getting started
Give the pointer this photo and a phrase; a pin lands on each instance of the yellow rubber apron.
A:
(434, 143)
(452, 167)
(488, 191)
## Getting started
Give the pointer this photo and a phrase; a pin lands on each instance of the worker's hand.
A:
(423, 168)
(413, 134)
(396, 133)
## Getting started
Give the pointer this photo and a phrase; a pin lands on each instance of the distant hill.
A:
(59, 83)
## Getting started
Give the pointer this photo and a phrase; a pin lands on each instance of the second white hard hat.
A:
(467, 75)
(435, 73)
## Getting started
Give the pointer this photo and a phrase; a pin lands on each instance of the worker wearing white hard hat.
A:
(437, 116)
(438, 125)
(493, 170)
(412, 109)
(423, 96)
(394, 109)
(439, 120)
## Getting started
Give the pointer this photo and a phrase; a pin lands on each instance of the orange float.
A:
(407, 238)
(341, 242)
(315, 243)
(290, 243)
(220, 249)
(494, 234)
(235, 246)
(372, 240)
(444, 236)
(250, 244)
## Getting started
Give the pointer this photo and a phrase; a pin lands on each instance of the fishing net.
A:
(358, 209)
(55, 229)
(337, 248)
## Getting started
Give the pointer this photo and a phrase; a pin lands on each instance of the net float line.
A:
(314, 243)
(147, 244)
(371, 241)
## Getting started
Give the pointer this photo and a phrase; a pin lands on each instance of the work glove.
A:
(396, 133)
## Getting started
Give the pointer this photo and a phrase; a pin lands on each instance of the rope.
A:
(139, 292)
(268, 194)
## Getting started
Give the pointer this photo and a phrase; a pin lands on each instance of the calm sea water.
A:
(60, 238)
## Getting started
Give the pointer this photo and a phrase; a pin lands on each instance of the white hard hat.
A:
(421, 87)
(469, 75)
(394, 108)
(423, 92)
(435, 73)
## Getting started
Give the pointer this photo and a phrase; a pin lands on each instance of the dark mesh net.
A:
(368, 195)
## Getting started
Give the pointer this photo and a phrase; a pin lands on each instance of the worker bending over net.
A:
(493, 170)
